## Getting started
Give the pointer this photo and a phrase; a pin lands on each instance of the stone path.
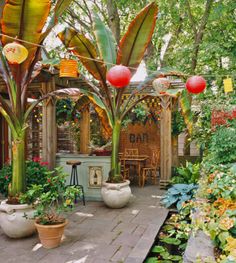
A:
(97, 234)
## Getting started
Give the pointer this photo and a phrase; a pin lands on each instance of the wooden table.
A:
(138, 160)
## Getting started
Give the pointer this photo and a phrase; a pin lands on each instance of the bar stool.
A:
(74, 180)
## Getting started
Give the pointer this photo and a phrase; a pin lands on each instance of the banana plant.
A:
(97, 59)
(24, 20)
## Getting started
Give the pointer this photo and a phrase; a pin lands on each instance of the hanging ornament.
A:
(195, 84)
(15, 53)
(68, 68)
(119, 76)
(228, 85)
(161, 85)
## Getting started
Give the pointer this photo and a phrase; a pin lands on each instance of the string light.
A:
(101, 61)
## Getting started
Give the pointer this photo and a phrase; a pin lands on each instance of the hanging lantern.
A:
(161, 85)
(15, 53)
(196, 84)
(119, 76)
(68, 68)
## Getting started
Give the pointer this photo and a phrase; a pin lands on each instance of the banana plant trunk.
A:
(115, 175)
(18, 166)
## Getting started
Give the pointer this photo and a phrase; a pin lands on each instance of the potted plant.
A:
(107, 100)
(18, 67)
(52, 199)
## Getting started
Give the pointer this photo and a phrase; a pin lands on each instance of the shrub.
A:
(187, 175)
(36, 173)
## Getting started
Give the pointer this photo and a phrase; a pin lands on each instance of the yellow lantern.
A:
(68, 68)
(15, 53)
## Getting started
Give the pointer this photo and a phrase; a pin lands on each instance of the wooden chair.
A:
(151, 170)
(130, 152)
(124, 170)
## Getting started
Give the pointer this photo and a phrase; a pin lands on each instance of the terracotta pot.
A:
(50, 235)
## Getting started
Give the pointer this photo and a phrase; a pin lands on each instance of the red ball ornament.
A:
(196, 84)
(119, 76)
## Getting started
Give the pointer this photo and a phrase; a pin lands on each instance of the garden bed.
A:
(171, 240)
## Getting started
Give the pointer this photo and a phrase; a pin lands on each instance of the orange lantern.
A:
(68, 68)
(15, 53)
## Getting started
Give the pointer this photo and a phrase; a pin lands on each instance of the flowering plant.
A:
(36, 173)
(52, 198)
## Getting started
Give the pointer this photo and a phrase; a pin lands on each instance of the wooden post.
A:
(165, 136)
(85, 130)
(49, 131)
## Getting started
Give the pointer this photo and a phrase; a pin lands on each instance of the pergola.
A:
(47, 82)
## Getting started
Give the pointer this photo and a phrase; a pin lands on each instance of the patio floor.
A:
(97, 234)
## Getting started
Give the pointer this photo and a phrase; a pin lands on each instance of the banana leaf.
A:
(105, 41)
(134, 43)
(185, 104)
(25, 20)
(101, 112)
(60, 7)
(83, 47)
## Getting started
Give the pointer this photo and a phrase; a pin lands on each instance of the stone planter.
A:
(16, 220)
(116, 195)
(50, 235)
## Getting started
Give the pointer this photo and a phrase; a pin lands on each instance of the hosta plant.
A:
(178, 194)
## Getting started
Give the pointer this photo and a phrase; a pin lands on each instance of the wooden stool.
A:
(74, 180)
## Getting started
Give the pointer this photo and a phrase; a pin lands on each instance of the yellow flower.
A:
(226, 223)
(68, 201)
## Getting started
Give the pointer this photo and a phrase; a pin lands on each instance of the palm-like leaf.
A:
(84, 101)
(134, 43)
(25, 20)
(105, 41)
(86, 51)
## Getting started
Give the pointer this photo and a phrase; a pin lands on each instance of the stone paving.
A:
(97, 234)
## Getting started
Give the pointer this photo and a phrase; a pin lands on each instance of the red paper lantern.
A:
(119, 76)
(196, 84)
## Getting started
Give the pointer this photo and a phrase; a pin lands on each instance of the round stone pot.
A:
(116, 195)
(17, 221)
(50, 235)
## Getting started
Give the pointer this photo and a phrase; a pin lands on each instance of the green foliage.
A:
(36, 173)
(178, 194)
(188, 174)
(137, 115)
(223, 145)
(52, 198)
(177, 124)
(65, 111)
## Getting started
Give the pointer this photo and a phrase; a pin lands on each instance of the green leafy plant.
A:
(178, 194)
(17, 77)
(52, 198)
(36, 173)
(223, 145)
(188, 174)
(106, 100)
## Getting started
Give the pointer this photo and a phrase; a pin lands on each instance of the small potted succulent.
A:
(53, 199)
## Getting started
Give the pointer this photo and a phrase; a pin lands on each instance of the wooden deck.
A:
(97, 234)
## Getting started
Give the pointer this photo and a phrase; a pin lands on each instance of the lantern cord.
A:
(94, 59)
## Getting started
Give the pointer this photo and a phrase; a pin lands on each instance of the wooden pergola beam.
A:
(49, 129)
